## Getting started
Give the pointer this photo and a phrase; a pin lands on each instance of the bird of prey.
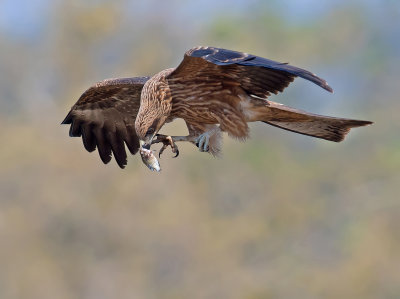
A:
(213, 90)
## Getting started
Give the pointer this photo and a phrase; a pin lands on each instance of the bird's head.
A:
(147, 126)
(149, 120)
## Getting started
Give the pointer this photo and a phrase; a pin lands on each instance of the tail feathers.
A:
(324, 127)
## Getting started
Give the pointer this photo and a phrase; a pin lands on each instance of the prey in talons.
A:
(213, 90)
(166, 141)
(149, 159)
(147, 155)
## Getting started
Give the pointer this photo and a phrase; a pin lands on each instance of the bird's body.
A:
(213, 90)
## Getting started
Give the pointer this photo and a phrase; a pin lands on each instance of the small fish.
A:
(150, 160)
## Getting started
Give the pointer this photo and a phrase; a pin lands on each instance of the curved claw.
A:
(177, 154)
(162, 150)
(168, 141)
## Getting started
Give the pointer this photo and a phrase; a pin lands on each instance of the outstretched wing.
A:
(105, 117)
(256, 75)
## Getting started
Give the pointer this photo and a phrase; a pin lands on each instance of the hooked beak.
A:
(145, 144)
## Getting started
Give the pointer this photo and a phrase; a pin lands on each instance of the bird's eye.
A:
(150, 131)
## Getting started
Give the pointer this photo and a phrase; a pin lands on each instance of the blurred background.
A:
(280, 216)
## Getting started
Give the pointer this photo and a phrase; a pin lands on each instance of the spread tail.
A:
(319, 126)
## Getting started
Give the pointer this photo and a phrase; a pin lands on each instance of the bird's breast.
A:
(199, 109)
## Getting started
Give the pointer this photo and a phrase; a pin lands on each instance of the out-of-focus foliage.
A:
(280, 216)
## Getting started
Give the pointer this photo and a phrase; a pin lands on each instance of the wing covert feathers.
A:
(210, 86)
(251, 66)
(104, 116)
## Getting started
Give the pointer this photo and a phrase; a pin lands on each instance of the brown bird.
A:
(213, 90)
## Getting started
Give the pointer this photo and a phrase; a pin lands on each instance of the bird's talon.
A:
(168, 141)
(161, 150)
(202, 142)
(174, 149)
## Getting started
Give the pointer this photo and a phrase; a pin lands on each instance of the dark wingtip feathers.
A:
(220, 56)
(302, 73)
(68, 119)
(104, 116)
(327, 87)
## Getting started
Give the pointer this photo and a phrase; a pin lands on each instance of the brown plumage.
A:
(214, 90)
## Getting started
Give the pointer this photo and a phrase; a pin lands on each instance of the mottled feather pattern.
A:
(298, 121)
(211, 104)
(219, 56)
(155, 103)
(105, 118)
(212, 90)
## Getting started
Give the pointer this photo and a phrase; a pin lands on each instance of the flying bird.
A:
(213, 90)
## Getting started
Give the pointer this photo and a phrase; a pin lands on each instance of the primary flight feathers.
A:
(213, 90)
